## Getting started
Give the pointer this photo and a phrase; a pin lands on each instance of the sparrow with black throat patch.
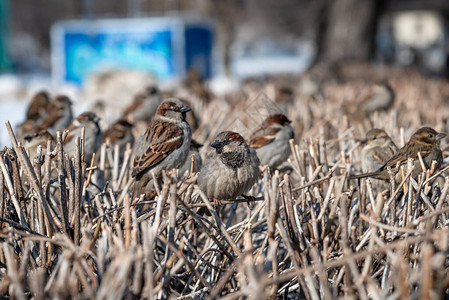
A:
(231, 168)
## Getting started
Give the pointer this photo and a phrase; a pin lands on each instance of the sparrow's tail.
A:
(364, 175)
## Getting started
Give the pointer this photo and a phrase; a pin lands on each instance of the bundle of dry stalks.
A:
(70, 228)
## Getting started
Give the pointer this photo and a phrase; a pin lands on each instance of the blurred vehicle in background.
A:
(414, 37)
(267, 56)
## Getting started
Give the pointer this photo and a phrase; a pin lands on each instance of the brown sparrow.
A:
(35, 113)
(285, 97)
(37, 107)
(144, 106)
(59, 115)
(165, 144)
(197, 161)
(378, 149)
(231, 168)
(382, 99)
(425, 141)
(271, 140)
(195, 83)
(120, 133)
(92, 135)
(40, 138)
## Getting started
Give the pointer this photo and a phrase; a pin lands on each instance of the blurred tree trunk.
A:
(349, 33)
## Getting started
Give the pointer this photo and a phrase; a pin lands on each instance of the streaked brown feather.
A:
(163, 138)
(117, 131)
(263, 136)
(410, 151)
(37, 106)
(138, 102)
(52, 118)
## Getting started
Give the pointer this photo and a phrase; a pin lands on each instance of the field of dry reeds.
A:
(69, 228)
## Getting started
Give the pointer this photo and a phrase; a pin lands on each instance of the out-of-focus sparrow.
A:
(59, 115)
(144, 106)
(120, 133)
(310, 85)
(197, 162)
(195, 83)
(425, 141)
(165, 144)
(285, 97)
(92, 135)
(36, 139)
(382, 98)
(378, 149)
(37, 107)
(231, 168)
(271, 140)
(36, 111)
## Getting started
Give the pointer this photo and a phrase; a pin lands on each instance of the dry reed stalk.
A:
(311, 234)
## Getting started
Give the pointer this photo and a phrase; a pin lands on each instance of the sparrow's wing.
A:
(50, 120)
(37, 106)
(115, 133)
(263, 136)
(72, 128)
(381, 155)
(392, 147)
(135, 105)
(408, 151)
(162, 139)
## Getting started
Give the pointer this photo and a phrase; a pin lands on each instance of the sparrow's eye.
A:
(172, 108)
(430, 135)
(374, 138)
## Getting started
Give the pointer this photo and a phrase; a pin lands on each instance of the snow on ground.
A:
(12, 110)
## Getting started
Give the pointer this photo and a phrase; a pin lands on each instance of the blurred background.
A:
(249, 37)
(73, 46)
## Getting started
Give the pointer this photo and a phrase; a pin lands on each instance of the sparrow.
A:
(120, 133)
(197, 161)
(194, 81)
(144, 106)
(285, 97)
(40, 138)
(231, 168)
(425, 141)
(92, 135)
(271, 140)
(37, 107)
(165, 144)
(377, 150)
(382, 98)
(35, 113)
(59, 115)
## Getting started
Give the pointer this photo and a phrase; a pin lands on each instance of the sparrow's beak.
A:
(97, 119)
(364, 141)
(440, 135)
(216, 145)
(185, 109)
